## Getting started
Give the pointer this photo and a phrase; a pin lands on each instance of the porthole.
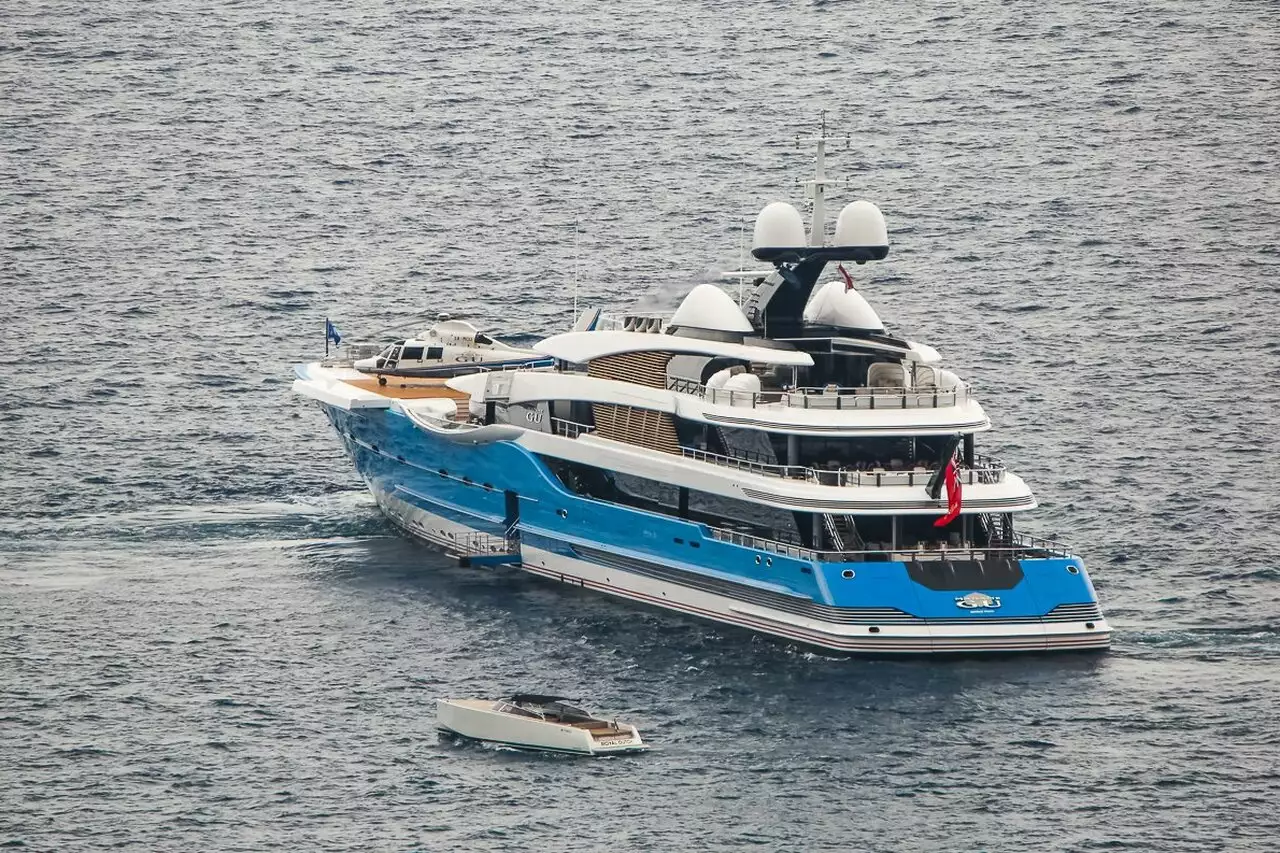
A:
(873, 630)
(768, 561)
(757, 559)
(443, 473)
(1088, 625)
(1075, 570)
(847, 574)
(563, 513)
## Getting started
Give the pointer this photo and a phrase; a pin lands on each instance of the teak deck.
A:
(410, 389)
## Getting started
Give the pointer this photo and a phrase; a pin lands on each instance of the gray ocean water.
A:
(209, 638)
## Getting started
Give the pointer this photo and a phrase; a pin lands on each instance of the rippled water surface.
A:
(209, 639)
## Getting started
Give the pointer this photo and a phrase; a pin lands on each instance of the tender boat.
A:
(537, 722)
(776, 463)
(450, 348)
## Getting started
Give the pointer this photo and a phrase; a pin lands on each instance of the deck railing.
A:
(986, 470)
(1022, 546)
(830, 397)
(477, 544)
(570, 429)
(766, 468)
(837, 397)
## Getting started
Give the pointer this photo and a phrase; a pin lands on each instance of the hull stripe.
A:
(905, 644)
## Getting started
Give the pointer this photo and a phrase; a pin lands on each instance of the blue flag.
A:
(331, 333)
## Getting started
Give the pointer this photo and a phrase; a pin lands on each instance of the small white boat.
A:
(532, 721)
(450, 348)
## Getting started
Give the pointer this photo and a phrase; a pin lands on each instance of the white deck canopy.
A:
(582, 347)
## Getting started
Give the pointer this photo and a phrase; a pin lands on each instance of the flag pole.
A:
(326, 337)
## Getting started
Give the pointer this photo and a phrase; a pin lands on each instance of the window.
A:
(435, 353)
(664, 499)
(411, 354)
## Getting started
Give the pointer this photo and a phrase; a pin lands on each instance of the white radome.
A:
(833, 305)
(861, 224)
(709, 307)
(779, 226)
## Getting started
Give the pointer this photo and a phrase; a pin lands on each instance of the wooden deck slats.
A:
(641, 368)
(642, 427)
(415, 389)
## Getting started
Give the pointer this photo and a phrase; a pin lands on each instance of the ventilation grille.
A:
(639, 368)
(643, 427)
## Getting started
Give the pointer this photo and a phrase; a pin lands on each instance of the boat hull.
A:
(467, 719)
(446, 494)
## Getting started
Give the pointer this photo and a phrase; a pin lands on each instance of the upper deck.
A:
(830, 397)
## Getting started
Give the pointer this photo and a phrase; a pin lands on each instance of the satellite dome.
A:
(862, 224)
(779, 226)
(834, 305)
(709, 307)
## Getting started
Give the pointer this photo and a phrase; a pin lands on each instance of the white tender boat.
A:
(537, 722)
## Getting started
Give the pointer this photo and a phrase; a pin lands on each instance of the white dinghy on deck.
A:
(537, 722)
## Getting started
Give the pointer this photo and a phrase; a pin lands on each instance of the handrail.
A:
(1021, 544)
(830, 397)
(532, 363)
(880, 397)
(478, 543)
(570, 429)
(986, 470)
(725, 396)
(767, 468)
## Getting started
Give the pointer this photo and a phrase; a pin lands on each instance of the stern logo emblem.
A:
(976, 600)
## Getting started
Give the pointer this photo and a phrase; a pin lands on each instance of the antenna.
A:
(742, 273)
(742, 257)
(576, 225)
(577, 258)
(816, 188)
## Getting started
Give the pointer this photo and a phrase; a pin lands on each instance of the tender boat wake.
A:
(788, 465)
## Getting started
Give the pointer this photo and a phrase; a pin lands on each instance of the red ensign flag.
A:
(953, 495)
(848, 280)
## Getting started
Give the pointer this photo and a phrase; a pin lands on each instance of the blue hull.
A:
(437, 490)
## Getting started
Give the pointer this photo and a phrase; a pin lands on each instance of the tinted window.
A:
(664, 498)
(411, 353)
(435, 353)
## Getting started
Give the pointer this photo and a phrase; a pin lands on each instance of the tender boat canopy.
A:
(538, 698)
